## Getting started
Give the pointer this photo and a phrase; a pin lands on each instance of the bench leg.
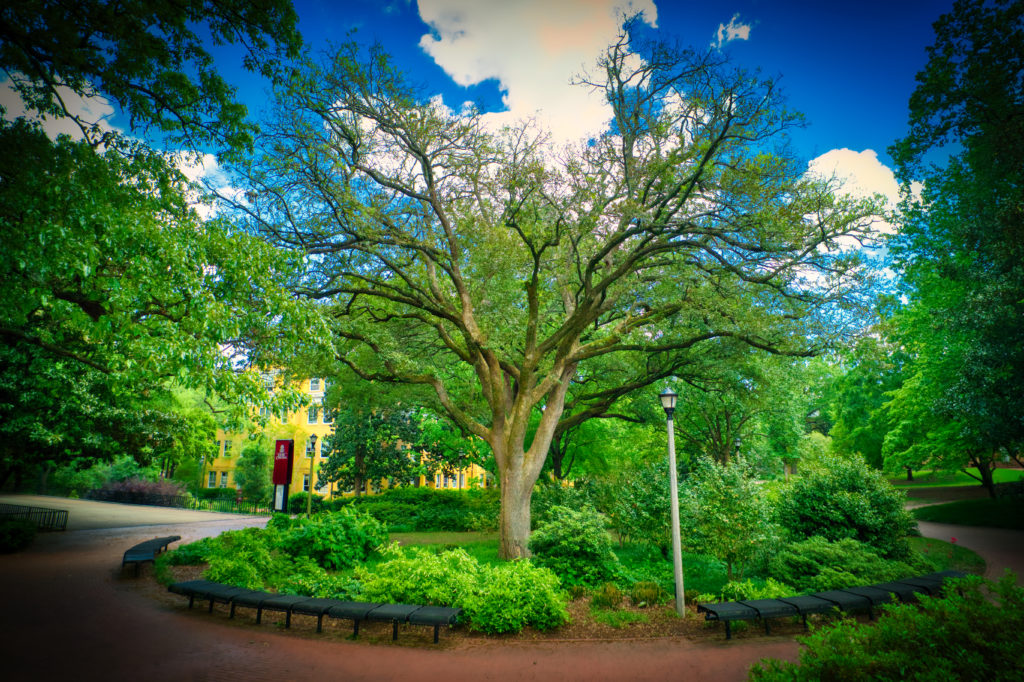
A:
(436, 627)
(728, 629)
(210, 610)
(394, 630)
(288, 619)
(137, 568)
(259, 615)
(355, 630)
(191, 598)
(805, 622)
(320, 623)
(767, 627)
(232, 610)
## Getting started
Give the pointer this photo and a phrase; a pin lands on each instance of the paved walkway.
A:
(69, 613)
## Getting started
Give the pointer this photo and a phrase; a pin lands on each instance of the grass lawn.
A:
(949, 555)
(1002, 512)
(938, 479)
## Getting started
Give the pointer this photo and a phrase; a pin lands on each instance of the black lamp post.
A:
(312, 459)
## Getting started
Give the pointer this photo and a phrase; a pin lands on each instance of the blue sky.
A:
(849, 67)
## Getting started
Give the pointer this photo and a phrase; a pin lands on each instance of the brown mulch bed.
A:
(657, 622)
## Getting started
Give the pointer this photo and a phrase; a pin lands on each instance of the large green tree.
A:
(115, 289)
(495, 269)
(961, 247)
(151, 58)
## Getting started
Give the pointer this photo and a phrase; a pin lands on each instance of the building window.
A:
(314, 384)
(328, 416)
(217, 453)
(310, 448)
(212, 480)
(223, 479)
(265, 412)
(227, 448)
(462, 481)
(305, 483)
(311, 414)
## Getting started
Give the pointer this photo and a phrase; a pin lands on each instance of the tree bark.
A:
(514, 517)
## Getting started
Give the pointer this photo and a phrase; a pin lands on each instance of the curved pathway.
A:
(66, 612)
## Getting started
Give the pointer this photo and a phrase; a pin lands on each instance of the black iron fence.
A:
(179, 501)
(45, 519)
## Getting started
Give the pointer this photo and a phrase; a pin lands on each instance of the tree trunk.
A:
(514, 517)
(910, 474)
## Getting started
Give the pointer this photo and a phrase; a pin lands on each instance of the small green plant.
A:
(618, 619)
(607, 596)
(334, 540)
(646, 593)
(576, 591)
(756, 589)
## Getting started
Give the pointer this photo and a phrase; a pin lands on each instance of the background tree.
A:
(114, 287)
(494, 270)
(252, 474)
(368, 446)
(152, 59)
(962, 243)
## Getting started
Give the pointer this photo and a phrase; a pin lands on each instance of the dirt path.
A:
(68, 613)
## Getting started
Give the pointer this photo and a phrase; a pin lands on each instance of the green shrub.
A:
(545, 497)
(190, 554)
(756, 589)
(424, 509)
(516, 595)
(608, 596)
(722, 513)
(334, 540)
(637, 503)
(417, 575)
(973, 632)
(244, 558)
(576, 546)
(818, 564)
(494, 599)
(647, 593)
(16, 534)
(226, 494)
(297, 503)
(306, 577)
(847, 499)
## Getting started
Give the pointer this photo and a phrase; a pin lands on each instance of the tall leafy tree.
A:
(494, 270)
(151, 58)
(114, 286)
(961, 248)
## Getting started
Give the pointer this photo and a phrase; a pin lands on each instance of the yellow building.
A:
(309, 427)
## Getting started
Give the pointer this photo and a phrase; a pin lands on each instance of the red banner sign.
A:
(283, 455)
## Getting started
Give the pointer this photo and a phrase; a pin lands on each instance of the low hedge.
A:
(974, 632)
(426, 509)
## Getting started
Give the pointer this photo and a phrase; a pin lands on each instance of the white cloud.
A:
(92, 110)
(734, 30)
(861, 176)
(533, 48)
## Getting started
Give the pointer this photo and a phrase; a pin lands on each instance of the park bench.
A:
(396, 614)
(848, 600)
(146, 551)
